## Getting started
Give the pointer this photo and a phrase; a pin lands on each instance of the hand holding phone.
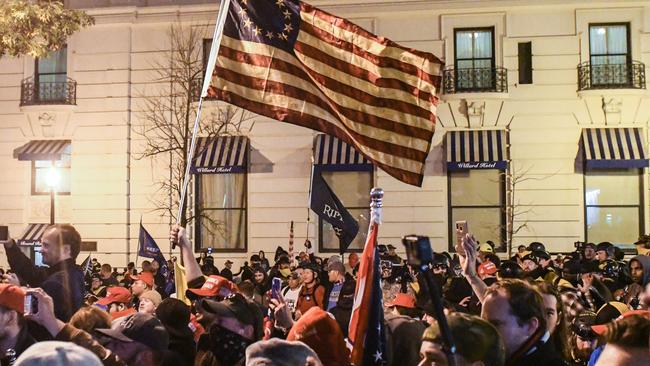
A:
(461, 232)
(276, 285)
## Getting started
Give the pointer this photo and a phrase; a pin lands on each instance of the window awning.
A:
(333, 153)
(32, 234)
(476, 149)
(221, 155)
(42, 150)
(614, 148)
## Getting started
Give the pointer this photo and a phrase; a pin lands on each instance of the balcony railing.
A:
(478, 80)
(56, 92)
(611, 76)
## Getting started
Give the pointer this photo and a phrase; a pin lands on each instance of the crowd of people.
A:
(588, 307)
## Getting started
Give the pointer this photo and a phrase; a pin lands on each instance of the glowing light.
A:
(600, 31)
(52, 178)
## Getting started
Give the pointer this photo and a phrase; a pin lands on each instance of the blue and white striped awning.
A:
(42, 150)
(32, 234)
(476, 149)
(221, 155)
(614, 148)
(332, 153)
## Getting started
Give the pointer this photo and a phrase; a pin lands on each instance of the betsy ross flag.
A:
(329, 208)
(367, 333)
(289, 61)
(148, 248)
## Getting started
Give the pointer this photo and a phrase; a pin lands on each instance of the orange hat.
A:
(601, 328)
(12, 297)
(215, 286)
(403, 300)
(146, 277)
(115, 294)
(488, 268)
(319, 330)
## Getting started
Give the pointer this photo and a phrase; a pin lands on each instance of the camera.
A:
(209, 250)
(30, 306)
(418, 250)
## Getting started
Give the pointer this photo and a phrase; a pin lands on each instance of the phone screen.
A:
(275, 287)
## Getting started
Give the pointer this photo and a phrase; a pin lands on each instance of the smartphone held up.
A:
(461, 232)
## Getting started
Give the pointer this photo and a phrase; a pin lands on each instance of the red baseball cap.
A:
(403, 300)
(488, 268)
(115, 294)
(12, 297)
(601, 328)
(215, 286)
(146, 277)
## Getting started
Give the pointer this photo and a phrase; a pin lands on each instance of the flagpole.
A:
(311, 181)
(212, 60)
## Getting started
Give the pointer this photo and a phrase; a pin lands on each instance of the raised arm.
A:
(178, 235)
(23, 266)
(468, 263)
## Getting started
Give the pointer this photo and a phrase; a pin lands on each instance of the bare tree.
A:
(168, 116)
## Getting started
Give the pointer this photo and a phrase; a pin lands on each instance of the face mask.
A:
(227, 346)
(285, 272)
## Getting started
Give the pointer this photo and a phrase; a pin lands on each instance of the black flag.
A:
(328, 207)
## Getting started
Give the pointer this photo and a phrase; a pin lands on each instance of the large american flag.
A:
(295, 63)
(367, 332)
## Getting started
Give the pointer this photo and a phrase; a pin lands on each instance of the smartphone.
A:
(30, 306)
(461, 231)
(4, 233)
(209, 250)
(276, 284)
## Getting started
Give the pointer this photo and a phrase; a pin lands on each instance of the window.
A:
(474, 62)
(50, 76)
(221, 211)
(41, 174)
(613, 210)
(609, 53)
(525, 60)
(353, 189)
(477, 196)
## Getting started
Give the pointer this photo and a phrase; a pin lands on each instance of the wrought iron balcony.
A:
(478, 80)
(56, 92)
(611, 76)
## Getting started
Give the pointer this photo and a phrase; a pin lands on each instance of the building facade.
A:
(542, 134)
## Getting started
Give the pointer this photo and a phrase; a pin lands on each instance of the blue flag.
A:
(148, 248)
(328, 207)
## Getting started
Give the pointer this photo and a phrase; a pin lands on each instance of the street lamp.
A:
(52, 180)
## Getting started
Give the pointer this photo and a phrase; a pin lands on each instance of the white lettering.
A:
(332, 213)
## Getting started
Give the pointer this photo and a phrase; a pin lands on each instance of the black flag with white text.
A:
(328, 207)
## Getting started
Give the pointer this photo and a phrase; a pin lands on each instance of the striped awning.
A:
(332, 153)
(476, 149)
(614, 148)
(32, 234)
(221, 155)
(42, 150)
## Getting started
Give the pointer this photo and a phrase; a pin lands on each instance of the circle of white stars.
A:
(270, 35)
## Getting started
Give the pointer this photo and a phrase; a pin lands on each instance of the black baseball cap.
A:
(142, 328)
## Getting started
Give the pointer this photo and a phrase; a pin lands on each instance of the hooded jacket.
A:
(644, 260)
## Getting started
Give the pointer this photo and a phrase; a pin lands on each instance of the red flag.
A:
(289, 61)
(366, 333)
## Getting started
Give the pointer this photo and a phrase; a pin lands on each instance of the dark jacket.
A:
(226, 273)
(64, 281)
(343, 309)
(542, 354)
(23, 341)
